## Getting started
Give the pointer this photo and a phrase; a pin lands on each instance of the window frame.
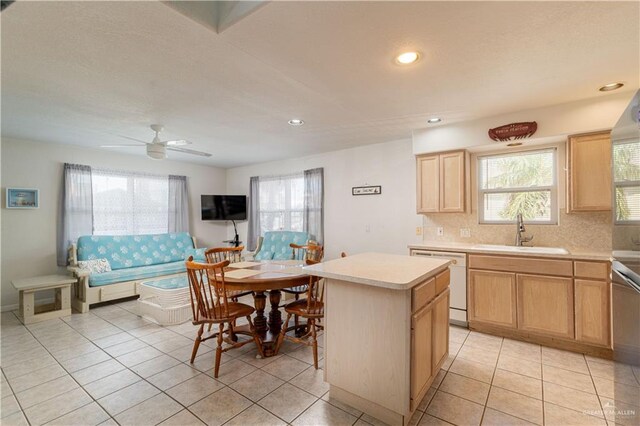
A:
(553, 188)
(286, 212)
(621, 184)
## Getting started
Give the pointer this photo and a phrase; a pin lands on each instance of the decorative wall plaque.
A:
(366, 190)
(513, 131)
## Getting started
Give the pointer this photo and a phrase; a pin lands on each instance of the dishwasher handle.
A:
(455, 258)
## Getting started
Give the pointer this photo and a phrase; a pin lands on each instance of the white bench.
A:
(29, 312)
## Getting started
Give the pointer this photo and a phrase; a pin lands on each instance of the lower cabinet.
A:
(545, 305)
(592, 312)
(492, 298)
(421, 350)
(440, 330)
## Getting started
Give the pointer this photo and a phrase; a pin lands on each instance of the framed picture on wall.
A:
(23, 198)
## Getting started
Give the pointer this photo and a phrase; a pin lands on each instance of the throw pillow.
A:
(95, 266)
(198, 254)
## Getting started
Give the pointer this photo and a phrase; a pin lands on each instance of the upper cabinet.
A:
(589, 172)
(441, 182)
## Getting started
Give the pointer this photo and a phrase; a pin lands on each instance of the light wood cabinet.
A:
(545, 305)
(441, 182)
(593, 316)
(589, 172)
(421, 350)
(492, 298)
(440, 341)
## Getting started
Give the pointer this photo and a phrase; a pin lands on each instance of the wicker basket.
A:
(151, 309)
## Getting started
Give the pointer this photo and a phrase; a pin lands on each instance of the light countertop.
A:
(473, 248)
(397, 272)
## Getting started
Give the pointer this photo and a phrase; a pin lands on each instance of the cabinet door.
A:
(593, 318)
(440, 329)
(589, 177)
(492, 298)
(428, 185)
(421, 351)
(545, 305)
(452, 182)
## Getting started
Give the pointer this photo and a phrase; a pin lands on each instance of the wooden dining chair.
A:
(210, 305)
(311, 251)
(233, 255)
(312, 309)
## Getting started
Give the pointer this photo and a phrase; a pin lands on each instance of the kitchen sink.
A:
(521, 249)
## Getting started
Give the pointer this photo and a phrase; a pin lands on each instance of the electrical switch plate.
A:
(367, 228)
(418, 230)
(465, 232)
(440, 231)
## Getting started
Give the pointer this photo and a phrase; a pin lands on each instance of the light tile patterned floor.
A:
(112, 367)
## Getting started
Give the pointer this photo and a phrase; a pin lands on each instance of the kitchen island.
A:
(387, 330)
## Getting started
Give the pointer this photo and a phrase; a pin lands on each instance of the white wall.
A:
(390, 217)
(554, 124)
(29, 236)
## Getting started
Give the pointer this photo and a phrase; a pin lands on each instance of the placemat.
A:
(241, 265)
(241, 273)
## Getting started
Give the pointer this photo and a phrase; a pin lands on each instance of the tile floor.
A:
(112, 367)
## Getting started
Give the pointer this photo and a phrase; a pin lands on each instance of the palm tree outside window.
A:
(522, 182)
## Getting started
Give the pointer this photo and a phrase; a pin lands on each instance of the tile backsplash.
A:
(578, 231)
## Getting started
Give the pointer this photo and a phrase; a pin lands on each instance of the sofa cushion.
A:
(198, 254)
(129, 251)
(277, 243)
(138, 273)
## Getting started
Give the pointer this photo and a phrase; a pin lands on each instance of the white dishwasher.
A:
(458, 285)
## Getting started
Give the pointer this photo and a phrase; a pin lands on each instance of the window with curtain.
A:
(281, 203)
(290, 202)
(626, 176)
(129, 203)
(522, 182)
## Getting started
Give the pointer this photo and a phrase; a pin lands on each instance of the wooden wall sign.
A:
(366, 190)
(513, 131)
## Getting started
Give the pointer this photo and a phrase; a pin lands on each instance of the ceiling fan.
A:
(157, 149)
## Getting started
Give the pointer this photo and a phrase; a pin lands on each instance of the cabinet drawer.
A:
(442, 280)
(593, 270)
(423, 294)
(526, 265)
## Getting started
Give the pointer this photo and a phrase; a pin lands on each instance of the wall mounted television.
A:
(223, 207)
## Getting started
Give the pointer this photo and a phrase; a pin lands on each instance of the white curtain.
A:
(254, 213)
(178, 204)
(314, 203)
(129, 203)
(76, 208)
(282, 203)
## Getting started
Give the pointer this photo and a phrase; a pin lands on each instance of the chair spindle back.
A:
(315, 291)
(207, 290)
(309, 251)
(219, 254)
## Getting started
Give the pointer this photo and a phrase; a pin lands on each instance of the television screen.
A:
(223, 207)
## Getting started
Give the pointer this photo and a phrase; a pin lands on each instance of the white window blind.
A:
(282, 203)
(626, 175)
(522, 182)
(129, 203)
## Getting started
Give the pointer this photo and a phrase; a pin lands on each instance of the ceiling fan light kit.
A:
(157, 149)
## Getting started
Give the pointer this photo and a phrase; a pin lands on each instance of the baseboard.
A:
(9, 308)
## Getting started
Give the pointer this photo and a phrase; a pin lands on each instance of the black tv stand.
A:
(236, 240)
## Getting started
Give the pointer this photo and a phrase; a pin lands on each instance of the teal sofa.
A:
(275, 245)
(133, 258)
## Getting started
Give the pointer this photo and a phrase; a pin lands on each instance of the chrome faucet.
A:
(520, 239)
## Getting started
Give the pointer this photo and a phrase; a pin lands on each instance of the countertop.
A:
(473, 248)
(397, 272)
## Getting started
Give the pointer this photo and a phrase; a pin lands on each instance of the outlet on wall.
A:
(440, 231)
(465, 232)
(418, 230)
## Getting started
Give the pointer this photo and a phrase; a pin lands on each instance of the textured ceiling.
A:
(87, 72)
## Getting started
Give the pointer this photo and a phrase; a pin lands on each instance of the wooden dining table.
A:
(262, 277)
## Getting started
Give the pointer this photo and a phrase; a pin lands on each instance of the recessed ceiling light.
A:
(296, 122)
(611, 86)
(407, 58)
(434, 120)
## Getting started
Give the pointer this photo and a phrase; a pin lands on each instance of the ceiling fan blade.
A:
(133, 139)
(189, 151)
(177, 142)
(121, 146)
